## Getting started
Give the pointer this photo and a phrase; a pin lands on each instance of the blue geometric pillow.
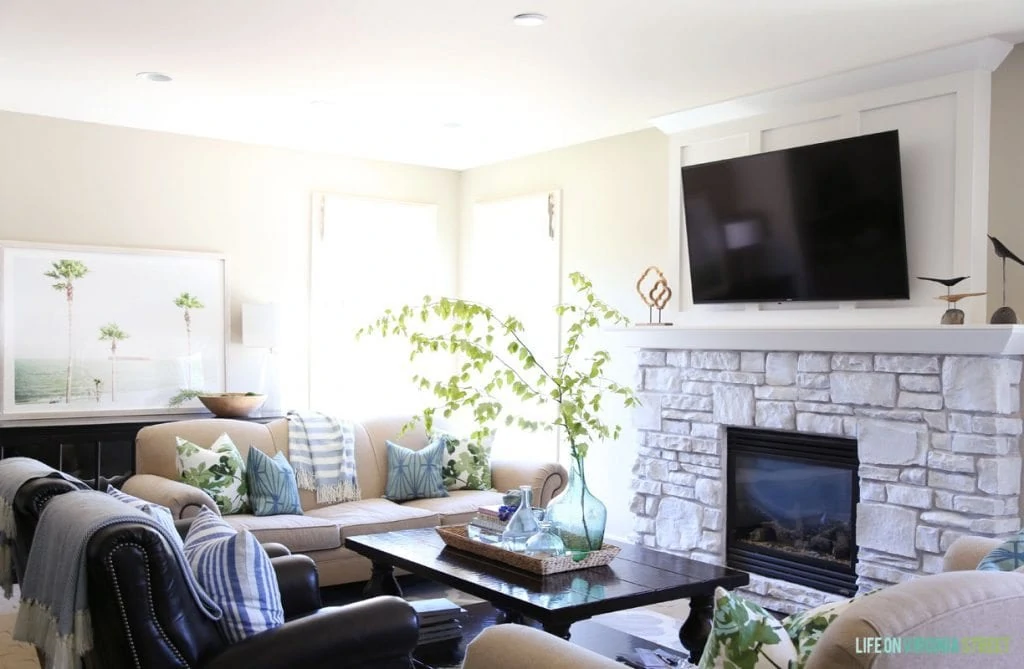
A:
(272, 487)
(415, 474)
(236, 573)
(1007, 556)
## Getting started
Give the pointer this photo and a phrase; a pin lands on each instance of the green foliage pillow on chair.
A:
(745, 636)
(272, 487)
(218, 471)
(805, 628)
(467, 464)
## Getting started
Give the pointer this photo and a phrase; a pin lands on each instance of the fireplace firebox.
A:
(791, 507)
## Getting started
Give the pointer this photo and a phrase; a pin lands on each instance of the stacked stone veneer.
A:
(938, 442)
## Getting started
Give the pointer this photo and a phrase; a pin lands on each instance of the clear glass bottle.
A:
(522, 525)
(579, 516)
(546, 542)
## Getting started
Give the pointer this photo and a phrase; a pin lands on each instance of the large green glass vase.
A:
(579, 516)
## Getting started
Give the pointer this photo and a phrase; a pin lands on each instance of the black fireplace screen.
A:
(792, 507)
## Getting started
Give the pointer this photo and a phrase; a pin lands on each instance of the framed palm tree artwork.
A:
(94, 330)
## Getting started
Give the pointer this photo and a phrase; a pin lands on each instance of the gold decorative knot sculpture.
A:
(655, 297)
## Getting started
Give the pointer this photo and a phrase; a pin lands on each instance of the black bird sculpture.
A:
(948, 283)
(1003, 252)
(1004, 314)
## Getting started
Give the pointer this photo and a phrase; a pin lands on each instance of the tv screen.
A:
(822, 222)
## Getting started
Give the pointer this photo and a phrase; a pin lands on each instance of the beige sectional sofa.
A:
(321, 530)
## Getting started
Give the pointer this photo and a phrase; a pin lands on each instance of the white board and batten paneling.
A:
(943, 124)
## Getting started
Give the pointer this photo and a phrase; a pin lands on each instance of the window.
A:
(513, 265)
(368, 255)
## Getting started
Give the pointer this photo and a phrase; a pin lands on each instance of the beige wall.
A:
(614, 224)
(78, 183)
(1006, 179)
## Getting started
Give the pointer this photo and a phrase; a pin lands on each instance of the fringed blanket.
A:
(14, 473)
(54, 611)
(322, 451)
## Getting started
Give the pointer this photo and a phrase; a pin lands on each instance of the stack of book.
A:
(440, 620)
(488, 519)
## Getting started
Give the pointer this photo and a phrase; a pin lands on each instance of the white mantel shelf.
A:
(938, 339)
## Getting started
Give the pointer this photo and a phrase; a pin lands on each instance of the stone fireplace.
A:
(791, 502)
(937, 456)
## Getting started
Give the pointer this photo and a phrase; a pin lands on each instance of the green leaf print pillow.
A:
(745, 636)
(466, 464)
(219, 471)
(805, 628)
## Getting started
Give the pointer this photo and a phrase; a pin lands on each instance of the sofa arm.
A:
(515, 646)
(183, 500)
(299, 583)
(547, 479)
(966, 552)
(955, 604)
(380, 633)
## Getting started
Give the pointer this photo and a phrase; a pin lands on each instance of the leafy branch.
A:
(498, 362)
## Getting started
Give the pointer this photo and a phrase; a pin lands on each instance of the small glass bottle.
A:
(546, 542)
(522, 525)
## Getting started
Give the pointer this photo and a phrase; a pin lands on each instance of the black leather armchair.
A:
(143, 616)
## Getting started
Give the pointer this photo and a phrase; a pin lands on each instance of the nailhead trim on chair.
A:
(149, 599)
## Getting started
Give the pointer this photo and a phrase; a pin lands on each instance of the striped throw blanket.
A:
(54, 611)
(322, 451)
(14, 473)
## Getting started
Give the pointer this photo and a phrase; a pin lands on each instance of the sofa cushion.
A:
(466, 463)
(237, 574)
(219, 471)
(743, 634)
(459, 507)
(806, 628)
(370, 516)
(415, 474)
(155, 444)
(272, 487)
(300, 534)
(1007, 556)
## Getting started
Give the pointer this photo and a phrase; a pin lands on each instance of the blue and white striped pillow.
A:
(236, 573)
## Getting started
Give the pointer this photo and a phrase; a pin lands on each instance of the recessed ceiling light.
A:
(451, 125)
(158, 77)
(529, 20)
(321, 102)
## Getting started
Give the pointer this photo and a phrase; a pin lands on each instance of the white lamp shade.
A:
(260, 325)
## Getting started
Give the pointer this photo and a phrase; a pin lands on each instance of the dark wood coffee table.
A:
(636, 577)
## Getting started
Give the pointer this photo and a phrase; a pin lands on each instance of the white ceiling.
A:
(393, 73)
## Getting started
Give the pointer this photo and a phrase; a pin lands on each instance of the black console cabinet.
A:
(87, 448)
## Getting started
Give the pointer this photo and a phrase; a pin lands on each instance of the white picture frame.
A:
(135, 328)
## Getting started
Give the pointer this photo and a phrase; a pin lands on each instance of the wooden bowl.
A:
(232, 405)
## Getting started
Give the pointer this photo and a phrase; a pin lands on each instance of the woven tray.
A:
(457, 536)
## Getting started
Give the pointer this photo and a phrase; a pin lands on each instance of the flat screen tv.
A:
(822, 222)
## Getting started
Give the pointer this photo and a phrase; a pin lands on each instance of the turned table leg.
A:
(382, 581)
(507, 616)
(695, 630)
(557, 629)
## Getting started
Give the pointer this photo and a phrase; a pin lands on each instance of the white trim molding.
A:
(935, 340)
(984, 54)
